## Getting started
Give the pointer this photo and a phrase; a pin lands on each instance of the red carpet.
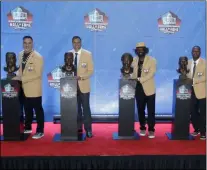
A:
(102, 144)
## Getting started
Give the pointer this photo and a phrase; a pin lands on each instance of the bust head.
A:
(183, 66)
(183, 62)
(68, 58)
(10, 59)
(68, 66)
(127, 60)
(11, 63)
(11, 67)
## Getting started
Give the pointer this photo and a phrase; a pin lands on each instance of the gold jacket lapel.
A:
(30, 57)
(145, 61)
(80, 61)
(144, 64)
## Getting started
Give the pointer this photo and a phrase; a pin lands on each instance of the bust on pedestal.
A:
(12, 116)
(126, 101)
(68, 103)
(181, 117)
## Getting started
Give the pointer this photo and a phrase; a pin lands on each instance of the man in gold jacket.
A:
(144, 71)
(197, 67)
(83, 63)
(30, 73)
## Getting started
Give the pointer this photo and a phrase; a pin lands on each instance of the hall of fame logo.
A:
(127, 92)
(20, 18)
(67, 91)
(9, 92)
(183, 93)
(169, 23)
(54, 77)
(96, 20)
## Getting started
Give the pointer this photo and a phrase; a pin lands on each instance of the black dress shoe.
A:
(89, 134)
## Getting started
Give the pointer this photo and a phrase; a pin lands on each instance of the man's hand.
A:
(138, 79)
(78, 78)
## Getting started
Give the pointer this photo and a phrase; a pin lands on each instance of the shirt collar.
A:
(28, 52)
(197, 61)
(79, 52)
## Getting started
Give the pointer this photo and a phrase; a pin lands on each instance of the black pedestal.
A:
(13, 125)
(126, 110)
(69, 111)
(181, 118)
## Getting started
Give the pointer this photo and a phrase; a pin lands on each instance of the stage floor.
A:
(102, 144)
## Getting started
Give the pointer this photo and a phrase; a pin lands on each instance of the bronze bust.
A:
(68, 68)
(183, 67)
(11, 67)
(126, 69)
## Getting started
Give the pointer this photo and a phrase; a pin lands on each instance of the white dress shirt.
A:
(78, 56)
(192, 65)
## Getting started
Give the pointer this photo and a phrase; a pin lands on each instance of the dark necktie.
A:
(25, 57)
(194, 68)
(139, 71)
(75, 63)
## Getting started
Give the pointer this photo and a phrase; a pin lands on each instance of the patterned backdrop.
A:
(107, 29)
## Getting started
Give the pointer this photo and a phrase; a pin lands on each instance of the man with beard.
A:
(144, 71)
(197, 67)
